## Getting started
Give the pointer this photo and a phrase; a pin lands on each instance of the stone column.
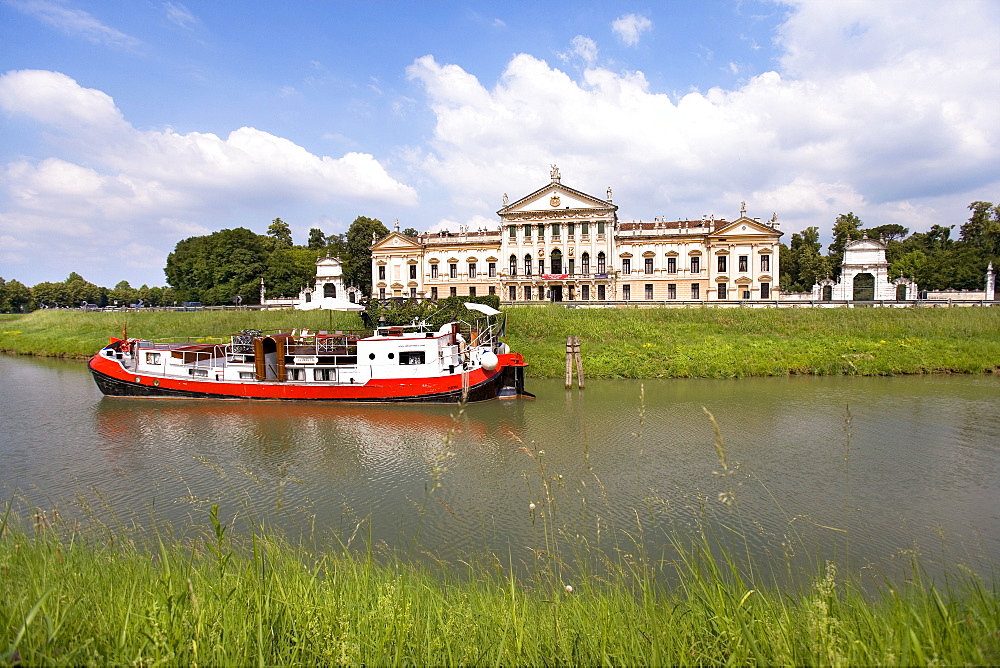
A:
(991, 285)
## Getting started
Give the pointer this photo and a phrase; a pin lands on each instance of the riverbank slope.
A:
(615, 343)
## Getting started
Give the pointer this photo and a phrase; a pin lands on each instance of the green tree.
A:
(890, 232)
(15, 297)
(317, 239)
(280, 232)
(802, 266)
(215, 268)
(411, 232)
(846, 228)
(289, 270)
(357, 260)
(123, 294)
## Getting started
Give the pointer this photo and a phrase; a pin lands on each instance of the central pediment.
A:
(557, 197)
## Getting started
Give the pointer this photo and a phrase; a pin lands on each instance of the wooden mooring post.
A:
(573, 351)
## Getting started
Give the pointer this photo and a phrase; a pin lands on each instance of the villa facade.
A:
(561, 244)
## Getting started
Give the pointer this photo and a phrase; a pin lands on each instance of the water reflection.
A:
(888, 461)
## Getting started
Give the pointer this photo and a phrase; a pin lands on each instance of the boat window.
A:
(392, 355)
(198, 372)
(247, 375)
(296, 374)
(411, 357)
(324, 374)
(152, 358)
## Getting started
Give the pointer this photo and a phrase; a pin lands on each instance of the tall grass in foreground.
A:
(100, 593)
(73, 598)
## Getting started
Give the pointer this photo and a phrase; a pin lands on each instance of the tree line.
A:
(220, 268)
(933, 259)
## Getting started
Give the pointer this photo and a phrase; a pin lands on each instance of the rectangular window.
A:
(413, 272)
(527, 293)
(626, 266)
(152, 358)
(649, 291)
(296, 374)
(649, 265)
(585, 290)
(472, 270)
(696, 265)
(413, 293)
(746, 294)
(722, 264)
(600, 227)
(723, 292)
(434, 271)
(513, 232)
(601, 266)
(493, 289)
(572, 266)
(765, 263)
(671, 291)
(381, 293)
(585, 228)
(626, 292)
(671, 265)
(493, 269)
(555, 229)
(513, 293)
(765, 289)
(585, 264)
(472, 291)
(381, 272)
(453, 270)
(324, 374)
(601, 292)
(247, 375)
(695, 291)
(541, 232)
(527, 231)
(572, 293)
(527, 265)
(453, 291)
(743, 262)
(541, 265)
(434, 293)
(198, 372)
(572, 230)
(411, 357)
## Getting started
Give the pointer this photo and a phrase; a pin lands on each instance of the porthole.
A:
(371, 356)
(156, 381)
(392, 356)
(137, 379)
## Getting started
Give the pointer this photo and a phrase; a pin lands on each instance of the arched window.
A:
(601, 265)
(585, 263)
(527, 264)
(513, 265)
(329, 290)
(555, 265)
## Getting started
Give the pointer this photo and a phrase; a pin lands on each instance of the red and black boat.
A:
(457, 362)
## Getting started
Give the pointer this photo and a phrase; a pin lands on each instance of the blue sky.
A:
(128, 126)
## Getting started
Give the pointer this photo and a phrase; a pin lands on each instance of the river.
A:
(859, 469)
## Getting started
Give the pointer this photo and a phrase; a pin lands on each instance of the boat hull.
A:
(506, 381)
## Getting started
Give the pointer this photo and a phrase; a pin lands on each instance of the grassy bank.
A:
(73, 596)
(618, 343)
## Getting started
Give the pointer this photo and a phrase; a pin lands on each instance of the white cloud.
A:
(179, 15)
(909, 125)
(140, 183)
(630, 27)
(76, 23)
(583, 48)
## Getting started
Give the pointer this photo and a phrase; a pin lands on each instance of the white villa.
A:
(561, 244)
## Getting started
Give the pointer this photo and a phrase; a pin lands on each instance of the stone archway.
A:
(864, 287)
(330, 290)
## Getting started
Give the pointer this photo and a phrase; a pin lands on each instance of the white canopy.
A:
(482, 308)
(330, 304)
